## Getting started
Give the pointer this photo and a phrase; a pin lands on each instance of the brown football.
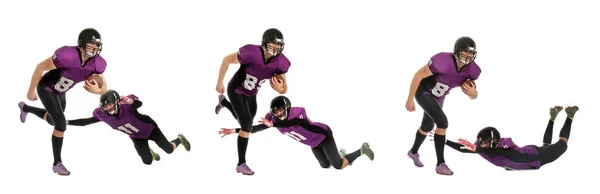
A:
(96, 78)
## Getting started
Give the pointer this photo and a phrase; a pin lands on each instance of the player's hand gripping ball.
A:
(277, 80)
(470, 83)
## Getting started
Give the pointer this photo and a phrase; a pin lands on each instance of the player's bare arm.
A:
(43, 66)
(419, 75)
(422, 73)
(229, 59)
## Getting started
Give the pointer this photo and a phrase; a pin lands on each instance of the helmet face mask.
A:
(465, 50)
(272, 41)
(110, 108)
(90, 42)
(280, 107)
(488, 137)
(109, 102)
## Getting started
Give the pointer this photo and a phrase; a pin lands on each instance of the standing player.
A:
(293, 122)
(122, 115)
(429, 87)
(259, 63)
(68, 66)
(503, 152)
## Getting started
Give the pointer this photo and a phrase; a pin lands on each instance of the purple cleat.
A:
(60, 169)
(219, 106)
(244, 169)
(443, 169)
(23, 113)
(415, 158)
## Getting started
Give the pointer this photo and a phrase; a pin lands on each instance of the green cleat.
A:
(184, 142)
(155, 156)
(366, 150)
(571, 110)
(554, 111)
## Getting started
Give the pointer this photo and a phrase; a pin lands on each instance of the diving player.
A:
(503, 152)
(68, 66)
(121, 114)
(293, 122)
(259, 64)
(429, 87)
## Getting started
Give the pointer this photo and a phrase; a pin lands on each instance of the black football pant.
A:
(55, 105)
(327, 152)
(549, 153)
(142, 147)
(243, 109)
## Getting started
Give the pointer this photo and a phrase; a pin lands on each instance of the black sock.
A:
(57, 148)
(548, 132)
(176, 142)
(566, 129)
(352, 156)
(34, 110)
(440, 142)
(419, 139)
(242, 144)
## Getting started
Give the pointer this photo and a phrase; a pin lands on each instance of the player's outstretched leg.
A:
(549, 128)
(364, 149)
(566, 129)
(550, 153)
(39, 112)
(223, 102)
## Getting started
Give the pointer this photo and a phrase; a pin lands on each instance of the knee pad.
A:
(147, 160)
(325, 165)
(443, 123)
(427, 127)
(337, 166)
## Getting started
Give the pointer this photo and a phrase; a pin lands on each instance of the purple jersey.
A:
(502, 161)
(444, 68)
(299, 133)
(126, 121)
(69, 71)
(254, 72)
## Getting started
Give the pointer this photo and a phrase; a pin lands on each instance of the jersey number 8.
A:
(251, 81)
(63, 84)
(440, 89)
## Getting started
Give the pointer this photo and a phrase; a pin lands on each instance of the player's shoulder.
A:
(475, 66)
(250, 48)
(442, 55)
(99, 114)
(66, 52)
(505, 140)
(297, 109)
(99, 64)
(283, 61)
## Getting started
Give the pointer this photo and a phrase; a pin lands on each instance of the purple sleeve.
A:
(132, 96)
(284, 65)
(100, 65)
(61, 57)
(244, 54)
(269, 117)
(436, 64)
(98, 113)
(475, 72)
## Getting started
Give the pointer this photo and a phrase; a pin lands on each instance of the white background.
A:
(352, 63)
